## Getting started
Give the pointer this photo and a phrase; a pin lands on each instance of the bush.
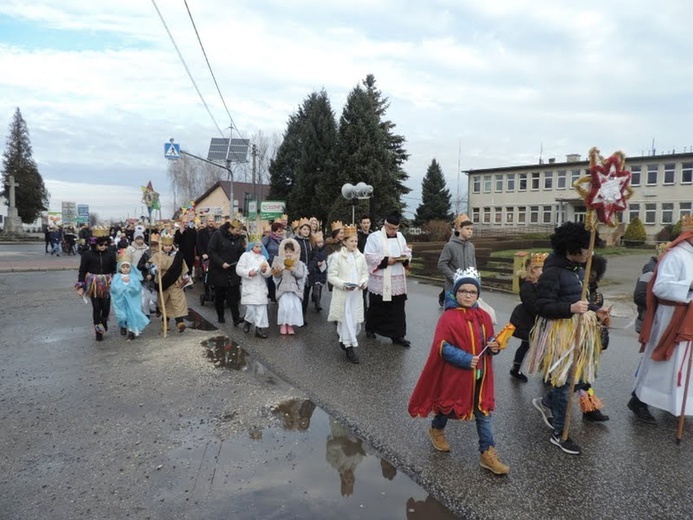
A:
(635, 234)
(675, 231)
(665, 234)
(437, 230)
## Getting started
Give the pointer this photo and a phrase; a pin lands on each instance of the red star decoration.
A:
(609, 188)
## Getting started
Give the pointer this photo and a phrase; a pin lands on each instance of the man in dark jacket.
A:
(203, 237)
(225, 249)
(96, 268)
(185, 239)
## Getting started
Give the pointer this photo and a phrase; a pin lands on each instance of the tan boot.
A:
(489, 460)
(438, 439)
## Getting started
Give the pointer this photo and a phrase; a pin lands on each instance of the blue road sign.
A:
(172, 151)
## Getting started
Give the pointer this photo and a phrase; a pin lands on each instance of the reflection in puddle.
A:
(197, 322)
(295, 413)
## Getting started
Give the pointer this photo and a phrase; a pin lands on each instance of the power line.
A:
(180, 56)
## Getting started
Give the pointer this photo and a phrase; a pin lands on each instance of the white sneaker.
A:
(544, 410)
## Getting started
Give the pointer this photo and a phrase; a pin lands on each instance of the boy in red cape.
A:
(457, 380)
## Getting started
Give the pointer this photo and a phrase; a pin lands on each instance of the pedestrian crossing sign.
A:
(172, 150)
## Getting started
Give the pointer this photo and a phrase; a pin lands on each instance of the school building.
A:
(541, 196)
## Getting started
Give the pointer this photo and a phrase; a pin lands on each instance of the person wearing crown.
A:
(667, 333)
(96, 268)
(271, 243)
(289, 275)
(524, 314)
(334, 241)
(457, 380)
(302, 236)
(387, 255)
(126, 293)
(348, 274)
(225, 249)
(168, 269)
(458, 253)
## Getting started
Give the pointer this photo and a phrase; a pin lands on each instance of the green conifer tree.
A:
(435, 197)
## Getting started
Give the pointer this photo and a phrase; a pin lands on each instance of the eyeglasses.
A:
(467, 293)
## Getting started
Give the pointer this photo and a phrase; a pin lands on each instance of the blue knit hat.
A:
(469, 275)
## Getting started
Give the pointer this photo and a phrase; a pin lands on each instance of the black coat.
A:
(559, 286)
(186, 241)
(203, 237)
(525, 313)
(224, 248)
(97, 262)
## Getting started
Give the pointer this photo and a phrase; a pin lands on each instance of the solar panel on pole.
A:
(220, 149)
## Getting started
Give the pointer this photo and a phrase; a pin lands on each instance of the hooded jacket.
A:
(456, 254)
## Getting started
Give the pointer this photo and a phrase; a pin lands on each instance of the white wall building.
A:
(541, 196)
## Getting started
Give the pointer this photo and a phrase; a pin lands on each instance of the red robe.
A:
(442, 386)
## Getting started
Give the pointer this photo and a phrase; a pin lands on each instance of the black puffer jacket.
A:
(559, 286)
(525, 313)
(224, 247)
(97, 262)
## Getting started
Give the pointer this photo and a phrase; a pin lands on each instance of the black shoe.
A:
(641, 411)
(370, 334)
(246, 327)
(568, 446)
(515, 372)
(351, 355)
(595, 416)
(99, 336)
(123, 331)
(221, 319)
(260, 333)
(131, 335)
(105, 325)
(401, 341)
(341, 345)
(237, 321)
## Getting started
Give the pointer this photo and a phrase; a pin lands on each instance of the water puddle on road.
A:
(196, 321)
(306, 465)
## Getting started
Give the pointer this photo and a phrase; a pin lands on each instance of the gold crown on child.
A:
(99, 231)
(336, 225)
(124, 256)
(687, 222)
(350, 231)
(537, 259)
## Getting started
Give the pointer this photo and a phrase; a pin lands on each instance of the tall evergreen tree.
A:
(315, 165)
(367, 151)
(435, 197)
(31, 194)
(283, 166)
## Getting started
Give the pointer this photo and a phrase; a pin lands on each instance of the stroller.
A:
(208, 294)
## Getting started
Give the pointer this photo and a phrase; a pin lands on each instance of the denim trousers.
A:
(557, 398)
(484, 427)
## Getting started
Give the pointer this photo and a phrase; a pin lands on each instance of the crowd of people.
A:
(561, 323)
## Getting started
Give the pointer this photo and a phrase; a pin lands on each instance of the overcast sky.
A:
(102, 88)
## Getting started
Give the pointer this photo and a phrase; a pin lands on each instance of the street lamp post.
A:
(361, 191)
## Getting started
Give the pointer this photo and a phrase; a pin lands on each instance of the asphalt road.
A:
(627, 469)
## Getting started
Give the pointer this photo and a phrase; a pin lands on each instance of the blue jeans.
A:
(557, 398)
(484, 428)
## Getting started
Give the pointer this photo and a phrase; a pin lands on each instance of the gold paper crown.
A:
(124, 256)
(462, 219)
(537, 259)
(294, 225)
(166, 240)
(99, 231)
(687, 223)
(284, 217)
(154, 238)
(350, 231)
(236, 224)
(302, 222)
(336, 225)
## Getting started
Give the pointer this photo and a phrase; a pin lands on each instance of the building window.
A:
(534, 214)
(574, 176)
(499, 184)
(523, 182)
(498, 216)
(684, 209)
(521, 214)
(487, 184)
(548, 180)
(669, 170)
(635, 172)
(652, 174)
(633, 211)
(546, 215)
(687, 173)
(509, 215)
(476, 184)
(580, 213)
(475, 215)
(560, 180)
(535, 181)
(667, 213)
(650, 213)
(487, 215)
(511, 182)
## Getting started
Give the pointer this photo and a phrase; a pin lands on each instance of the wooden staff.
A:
(572, 376)
(161, 290)
(682, 417)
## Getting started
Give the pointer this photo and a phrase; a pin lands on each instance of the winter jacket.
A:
(559, 286)
(524, 314)
(253, 289)
(224, 248)
(456, 254)
(96, 262)
(640, 292)
(290, 281)
(315, 275)
(340, 272)
(271, 243)
(203, 237)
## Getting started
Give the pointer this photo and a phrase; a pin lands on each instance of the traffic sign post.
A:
(172, 150)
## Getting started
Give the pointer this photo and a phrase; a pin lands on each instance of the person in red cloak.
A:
(457, 380)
